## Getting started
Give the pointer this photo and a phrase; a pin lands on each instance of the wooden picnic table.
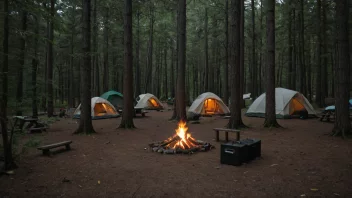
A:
(33, 124)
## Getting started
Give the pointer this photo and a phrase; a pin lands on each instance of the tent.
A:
(115, 98)
(288, 104)
(100, 108)
(148, 101)
(208, 104)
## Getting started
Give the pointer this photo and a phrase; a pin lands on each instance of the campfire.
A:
(181, 142)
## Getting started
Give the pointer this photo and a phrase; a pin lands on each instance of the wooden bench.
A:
(46, 148)
(217, 130)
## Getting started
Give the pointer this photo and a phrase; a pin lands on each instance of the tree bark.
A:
(324, 72)
(148, 81)
(71, 98)
(242, 70)
(50, 60)
(128, 111)
(19, 93)
(165, 74)
(206, 55)
(290, 72)
(253, 58)
(35, 62)
(294, 49)
(235, 48)
(302, 75)
(318, 87)
(342, 123)
(226, 67)
(270, 114)
(138, 72)
(180, 98)
(6, 142)
(106, 51)
(85, 124)
(96, 76)
(172, 74)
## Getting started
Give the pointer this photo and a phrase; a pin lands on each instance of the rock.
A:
(169, 151)
(155, 149)
(145, 148)
(161, 150)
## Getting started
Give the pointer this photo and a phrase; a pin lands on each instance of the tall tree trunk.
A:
(235, 48)
(128, 111)
(294, 49)
(148, 81)
(165, 74)
(302, 74)
(35, 62)
(318, 87)
(261, 73)
(138, 72)
(71, 101)
(226, 67)
(309, 71)
(290, 47)
(181, 53)
(254, 62)
(324, 72)
(242, 70)
(270, 115)
(85, 124)
(106, 52)
(19, 93)
(6, 142)
(172, 74)
(206, 55)
(50, 60)
(95, 67)
(342, 123)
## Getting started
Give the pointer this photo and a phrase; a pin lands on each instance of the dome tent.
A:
(208, 104)
(114, 97)
(100, 109)
(148, 101)
(288, 103)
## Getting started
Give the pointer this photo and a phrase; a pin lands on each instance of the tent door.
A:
(210, 106)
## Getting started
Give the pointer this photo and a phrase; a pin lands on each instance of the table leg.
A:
(217, 135)
(238, 136)
(227, 136)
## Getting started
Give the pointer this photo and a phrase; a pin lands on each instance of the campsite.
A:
(175, 98)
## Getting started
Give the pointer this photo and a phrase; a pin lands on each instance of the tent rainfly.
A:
(115, 98)
(208, 104)
(289, 103)
(148, 101)
(100, 109)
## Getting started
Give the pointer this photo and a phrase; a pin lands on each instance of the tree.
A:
(181, 53)
(35, 62)
(318, 98)
(226, 65)
(138, 72)
(242, 72)
(234, 62)
(206, 55)
(50, 62)
(128, 111)
(342, 123)
(19, 94)
(6, 142)
(270, 115)
(85, 124)
(106, 51)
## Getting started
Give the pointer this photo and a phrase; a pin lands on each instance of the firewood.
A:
(175, 138)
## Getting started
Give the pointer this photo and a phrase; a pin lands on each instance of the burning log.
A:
(181, 142)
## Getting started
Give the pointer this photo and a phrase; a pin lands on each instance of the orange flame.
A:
(185, 137)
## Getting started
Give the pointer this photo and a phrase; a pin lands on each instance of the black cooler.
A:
(234, 153)
(238, 152)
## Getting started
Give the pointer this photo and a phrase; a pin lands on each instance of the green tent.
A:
(115, 98)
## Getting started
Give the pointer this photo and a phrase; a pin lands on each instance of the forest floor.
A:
(298, 160)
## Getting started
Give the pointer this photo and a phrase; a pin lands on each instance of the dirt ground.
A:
(299, 160)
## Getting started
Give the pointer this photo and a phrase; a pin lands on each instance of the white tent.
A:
(100, 108)
(148, 101)
(288, 103)
(208, 104)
